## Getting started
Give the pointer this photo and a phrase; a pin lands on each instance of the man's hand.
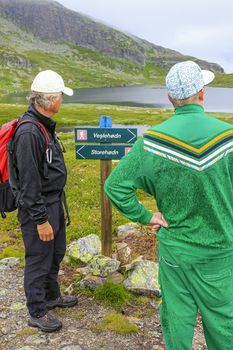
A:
(45, 231)
(157, 221)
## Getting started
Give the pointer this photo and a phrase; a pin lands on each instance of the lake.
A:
(217, 99)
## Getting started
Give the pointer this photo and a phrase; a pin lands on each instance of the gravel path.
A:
(78, 332)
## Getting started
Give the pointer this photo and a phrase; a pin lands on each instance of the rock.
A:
(103, 266)
(3, 292)
(143, 279)
(135, 320)
(124, 253)
(37, 339)
(116, 278)
(72, 347)
(92, 282)
(85, 248)
(9, 262)
(27, 348)
(124, 230)
(5, 330)
(3, 315)
(132, 265)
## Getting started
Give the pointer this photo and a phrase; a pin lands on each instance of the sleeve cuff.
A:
(145, 217)
(41, 221)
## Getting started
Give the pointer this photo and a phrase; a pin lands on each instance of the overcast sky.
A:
(201, 28)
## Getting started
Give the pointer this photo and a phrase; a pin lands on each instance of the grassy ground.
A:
(83, 186)
(88, 114)
(83, 195)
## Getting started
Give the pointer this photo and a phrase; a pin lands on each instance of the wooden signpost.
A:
(106, 152)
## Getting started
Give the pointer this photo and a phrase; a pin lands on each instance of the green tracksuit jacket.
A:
(186, 164)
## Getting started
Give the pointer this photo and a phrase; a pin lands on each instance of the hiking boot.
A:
(62, 301)
(46, 323)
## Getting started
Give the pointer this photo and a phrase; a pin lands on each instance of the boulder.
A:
(116, 278)
(124, 253)
(85, 248)
(92, 282)
(143, 279)
(103, 266)
(133, 264)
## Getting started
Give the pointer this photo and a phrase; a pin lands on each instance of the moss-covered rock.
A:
(103, 266)
(143, 279)
(85, 248)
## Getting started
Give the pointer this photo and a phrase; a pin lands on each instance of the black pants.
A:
(42, 259)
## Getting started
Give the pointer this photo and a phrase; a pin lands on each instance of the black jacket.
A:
(37, 189)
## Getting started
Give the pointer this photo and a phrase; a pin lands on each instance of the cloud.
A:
(210, 43)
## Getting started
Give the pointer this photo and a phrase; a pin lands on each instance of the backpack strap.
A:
(63, 199)
(48, 150)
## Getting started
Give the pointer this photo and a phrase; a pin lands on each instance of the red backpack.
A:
(8, 180)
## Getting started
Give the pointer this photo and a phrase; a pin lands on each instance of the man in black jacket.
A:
(42, 177)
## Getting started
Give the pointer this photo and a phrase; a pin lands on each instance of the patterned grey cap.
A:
(185, 79)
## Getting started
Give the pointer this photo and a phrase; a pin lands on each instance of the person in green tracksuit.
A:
(186, 164)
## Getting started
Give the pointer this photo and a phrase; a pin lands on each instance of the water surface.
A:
(217, 99)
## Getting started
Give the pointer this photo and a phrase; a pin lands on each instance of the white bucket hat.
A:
(185, 79)
(49, 81)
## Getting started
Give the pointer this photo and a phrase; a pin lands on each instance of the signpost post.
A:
(106, 152)
(106, 207)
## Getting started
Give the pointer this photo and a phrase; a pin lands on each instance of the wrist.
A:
(146, 217)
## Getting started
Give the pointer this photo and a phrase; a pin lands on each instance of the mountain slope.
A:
(49, 20)
(42, 34)
(22, 56)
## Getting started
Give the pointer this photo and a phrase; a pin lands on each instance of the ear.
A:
(170, 99)
(201, 95)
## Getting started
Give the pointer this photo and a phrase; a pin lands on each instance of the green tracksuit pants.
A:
(189, 283)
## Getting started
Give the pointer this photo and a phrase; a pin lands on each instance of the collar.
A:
(49, 123)
(189, 108)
